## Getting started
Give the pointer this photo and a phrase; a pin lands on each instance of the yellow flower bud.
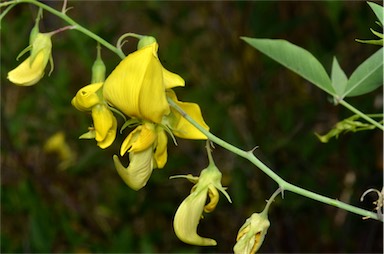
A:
(251, 234)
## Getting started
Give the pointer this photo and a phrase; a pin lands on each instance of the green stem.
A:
(361, 114)
(73, 23)
(281, 182)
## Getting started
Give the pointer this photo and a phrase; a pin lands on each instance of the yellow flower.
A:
(88, 99)
(137, 85)
(179, 126)
(190, 211)
(147, 147)
(57, 144)
(251, 235)
(31, 70)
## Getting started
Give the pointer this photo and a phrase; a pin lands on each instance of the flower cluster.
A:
(139, 90)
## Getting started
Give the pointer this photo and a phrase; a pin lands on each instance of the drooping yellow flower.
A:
(31, 70)
(147, 147)
(137, 85)
(190, 211)
(88, 99)
(251, 235)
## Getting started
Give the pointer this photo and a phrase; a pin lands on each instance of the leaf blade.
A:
(294, 58)
(338, 78)
(367, 77)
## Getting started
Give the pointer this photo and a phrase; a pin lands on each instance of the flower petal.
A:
(110, 137)
(86, 97)
(187, 219)
(171, 79)
(180, 126)
(27, 74)
(136, 86)
(102, 120)
(160, 154)
(139, 170)
(139, 139)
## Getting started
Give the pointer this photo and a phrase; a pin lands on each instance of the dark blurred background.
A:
(246, 98)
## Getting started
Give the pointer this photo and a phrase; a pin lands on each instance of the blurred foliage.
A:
(246, 98)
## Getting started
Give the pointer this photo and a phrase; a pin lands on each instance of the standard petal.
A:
(27, 74)
(122, 87)
(86, 97)
(139, 170)
(187, 219)
(136, 86)
(102, 121)
(171, 79)
(153, 101)
(160, 154)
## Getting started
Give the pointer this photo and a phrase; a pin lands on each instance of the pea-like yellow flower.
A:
(147, 144)
(31, 70)
(137, 85)
(190, 211)
(88, 99)
(147, 147)
(251, 235)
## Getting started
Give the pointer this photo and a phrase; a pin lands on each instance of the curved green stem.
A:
(70, 21)
(284, 185)
(361, 114)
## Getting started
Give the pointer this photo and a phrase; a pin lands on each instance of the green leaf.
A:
(378, 10)
(367, 77)
(338, 77)
(296, 59)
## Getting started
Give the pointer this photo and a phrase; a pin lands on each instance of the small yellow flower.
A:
(190, 211)
(88, 99)
(137, 85)
(251, 234)
(31, 70)
(147, 147)
(57, 144)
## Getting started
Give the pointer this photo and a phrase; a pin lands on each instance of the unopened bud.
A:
(251, 234)
(98, 69)
(145, 41)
